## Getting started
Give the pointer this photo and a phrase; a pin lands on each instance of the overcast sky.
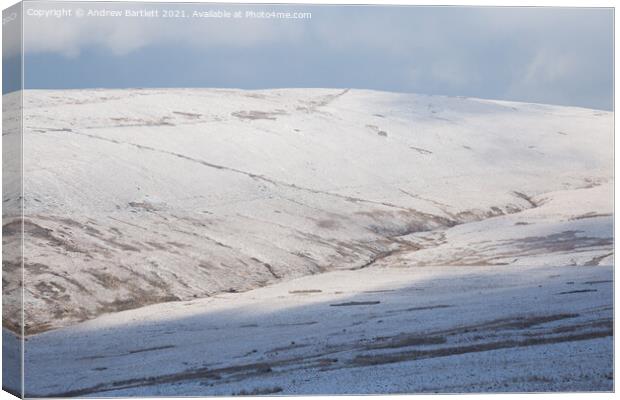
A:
(546, 55)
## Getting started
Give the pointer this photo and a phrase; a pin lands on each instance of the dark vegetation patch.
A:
(267, 266)
(126, 121)
(298, 323)
(305, 291)
(259, 391)
(143, 205)
(34, 230)
(327, 224)
(40, 269)
(523, 322)
(142, 300)
(33, 329)
(188, 114)
(119, 245)
(105, 279)
(379, 291)
(12, 325)
(598, 282)
(603, 323)
(527, 198)
(424, 308)
(566, 241)
(355, 303)
(255, 95)
(597, 260)
(591, 215)
(255, 115)
(199, 374)
(51, 290)
(291, 346)
(68, 222)
(578, 291)
(379, 359)
(170, 346)
(407, 341)
(10, 266)
(156, 245)
(420, 150)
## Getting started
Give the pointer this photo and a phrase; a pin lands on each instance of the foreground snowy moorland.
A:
(188, 241)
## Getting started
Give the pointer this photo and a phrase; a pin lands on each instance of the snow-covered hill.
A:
(135, 197)
(520, 302)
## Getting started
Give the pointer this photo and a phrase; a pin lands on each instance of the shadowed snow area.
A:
(441, 329)
(375, 237)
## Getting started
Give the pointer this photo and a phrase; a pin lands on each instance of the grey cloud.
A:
(554, 55)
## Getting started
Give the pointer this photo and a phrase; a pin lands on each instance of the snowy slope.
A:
(519, 302)
(392, 328)
(134, 197)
